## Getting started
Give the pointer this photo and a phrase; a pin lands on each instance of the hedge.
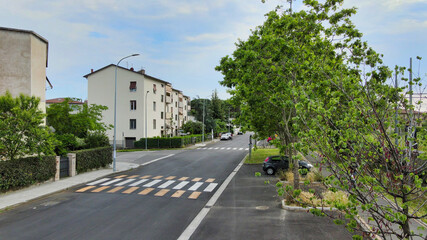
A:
(23, 172)
(89, 159)
(172, 142)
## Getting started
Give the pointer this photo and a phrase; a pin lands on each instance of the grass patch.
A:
(414, 205)
(259, 155)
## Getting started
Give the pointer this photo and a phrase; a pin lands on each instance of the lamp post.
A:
(146, 119)
(115, 109)
(203, 125)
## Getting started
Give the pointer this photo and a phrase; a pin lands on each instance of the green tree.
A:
(299, 75)
(67, 119)
(192, 127)
(21, 128)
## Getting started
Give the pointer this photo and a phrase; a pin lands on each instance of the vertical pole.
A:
(115, 113)
(203, 126)
(229, 120)
(146, 119)
(250, 146)
(396, 129)
(410, 110)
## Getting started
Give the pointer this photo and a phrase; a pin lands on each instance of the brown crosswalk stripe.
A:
(183, 179)
(85, 189)
(196, 179)
(130, 190)
(146, 191)
(115, 189)
(100, 189)
(161, 192)
(121, 176)
(157, 177)
(170, 178)
(194, 195)
(146, 176)
(210, 180)
(133, 176)
(178, 194)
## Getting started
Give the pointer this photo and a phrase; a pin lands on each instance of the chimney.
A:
(131, 69)
(91, 70)
(142, 71)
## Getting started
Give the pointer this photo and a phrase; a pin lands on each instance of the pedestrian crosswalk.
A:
(224, 148)
(159, 186)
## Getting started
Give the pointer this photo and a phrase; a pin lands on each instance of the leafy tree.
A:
(193, 127)
(66, 119)
(216, 107)
(21, 128)
(299, 75)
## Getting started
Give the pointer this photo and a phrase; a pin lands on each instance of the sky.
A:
(182, 41)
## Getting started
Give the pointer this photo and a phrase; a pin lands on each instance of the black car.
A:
(273, 163)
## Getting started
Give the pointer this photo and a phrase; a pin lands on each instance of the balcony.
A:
(180, 104)
(180, 111)
(168, 99)
(168, 115)
(169, 89)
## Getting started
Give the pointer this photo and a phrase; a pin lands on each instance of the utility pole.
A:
(290, 3)
(411, 133)
(396, 129)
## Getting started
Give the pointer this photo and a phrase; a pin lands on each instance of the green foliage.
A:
(65, 143)
(173, 142)
(21, 129)
(193, 127)
(93, 158)
(23, 172)
(79, 121)
(96, 139)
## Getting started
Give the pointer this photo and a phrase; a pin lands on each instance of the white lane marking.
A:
(223, 148)
(210, 187)
(195, 186)
(181, 185)
(216, 148)
(240, 148)
(205, 148)
(229, 148)
(137, 183)
(152, 183)
(191, 228)
(99, 181)
(246, 149)
(157, 159)
(166, 184)
(234, 148)
(112, 181)
(210, 148)
(125, 182)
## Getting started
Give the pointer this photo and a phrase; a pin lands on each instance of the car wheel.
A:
(270, 171)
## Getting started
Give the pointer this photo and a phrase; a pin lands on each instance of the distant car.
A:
(226, 136)
(239, 133)
(273, 163)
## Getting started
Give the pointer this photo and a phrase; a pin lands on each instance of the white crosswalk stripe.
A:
(246, 149)
(112, 181)
(234, 148)
(152, 183)
(99, 181)
(223, 148)
(195, 186)
(229, 148)
(181, 185)
(210, 187)
(125, 182)
(137, 183)
(240, 148)
(166, 184)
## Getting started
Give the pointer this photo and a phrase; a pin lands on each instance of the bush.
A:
(65, 143)
(96, 139)
(93, 158)
(173, 142)
(23, 172)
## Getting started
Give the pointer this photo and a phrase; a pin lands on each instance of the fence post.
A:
(57, 161)
(71, 164)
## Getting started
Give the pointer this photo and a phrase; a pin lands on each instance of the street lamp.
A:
(146, 119)
(203, 125)
(115, 110)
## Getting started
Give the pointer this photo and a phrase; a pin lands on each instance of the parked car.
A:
(226, 136)
(239, 133)
(273, 163)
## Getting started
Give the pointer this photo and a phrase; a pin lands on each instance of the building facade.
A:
(23, 63)
(143, 102)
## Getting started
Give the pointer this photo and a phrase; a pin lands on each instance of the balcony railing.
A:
(168, 115)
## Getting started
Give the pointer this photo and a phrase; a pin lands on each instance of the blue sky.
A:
(182, 41)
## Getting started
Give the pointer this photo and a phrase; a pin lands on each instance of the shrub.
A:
(19, 173)
(173, 142)
(93, 158)
(96, 139)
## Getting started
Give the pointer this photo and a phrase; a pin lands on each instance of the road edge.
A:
(191, 228)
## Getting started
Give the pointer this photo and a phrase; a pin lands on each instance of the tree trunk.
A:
(295, 166)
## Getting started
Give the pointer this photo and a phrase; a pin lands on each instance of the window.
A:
(132, 104)
(176, 104)
(161, 115)
(154, 106)
(161, 98)
(132, 86)
(132, 124)
(176, 117)
(171, 109)
(154, 123)
(162, 85)
(154, 88)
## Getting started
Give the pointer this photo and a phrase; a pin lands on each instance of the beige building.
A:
(23, 63)
(166, 107)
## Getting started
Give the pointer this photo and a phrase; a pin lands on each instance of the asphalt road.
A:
(155, 201)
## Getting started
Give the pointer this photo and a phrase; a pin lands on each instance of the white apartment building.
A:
(23, 63)
(166, 107)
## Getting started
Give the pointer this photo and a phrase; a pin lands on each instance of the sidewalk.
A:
(12, 199)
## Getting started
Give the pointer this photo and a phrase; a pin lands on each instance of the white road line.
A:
(166, 184)
(152, 183)
(210, 187)
(195, 186)
(246, 149)
(137, 183)
(205, 148)
(181, 185)
(125, 182)
(191, 228)
(234, 148)
(223, 148)
(112, 181)
(229, 148)
(157, 159)
(216, 148)
(99, 181)
(240, 148)
(210, 148)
